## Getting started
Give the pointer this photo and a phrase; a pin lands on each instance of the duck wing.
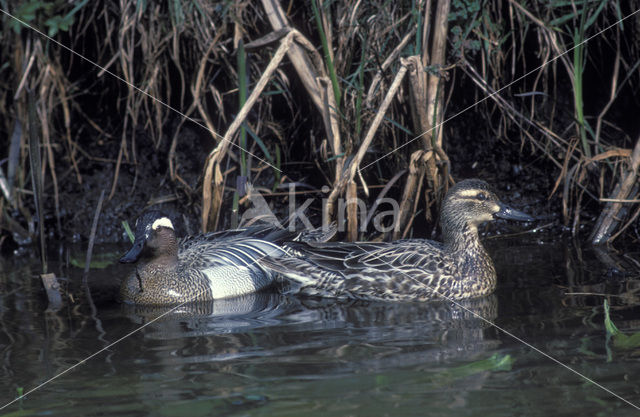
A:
(242, 247)
(407, 269)
(236, 247)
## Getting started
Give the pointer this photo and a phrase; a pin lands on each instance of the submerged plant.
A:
(620, 340)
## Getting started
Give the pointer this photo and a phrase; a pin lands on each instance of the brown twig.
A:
(210, 211)
(350, 171)
(411, 191)
(614, 212)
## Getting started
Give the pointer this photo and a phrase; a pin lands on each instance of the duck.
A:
(457, 268)
(204, 267)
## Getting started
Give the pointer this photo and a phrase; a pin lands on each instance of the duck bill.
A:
(509, 213)
(134, 253)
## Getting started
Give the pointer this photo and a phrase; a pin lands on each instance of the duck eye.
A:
(481, 196)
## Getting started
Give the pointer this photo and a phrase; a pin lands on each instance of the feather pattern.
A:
(415, 269)
(199, 268)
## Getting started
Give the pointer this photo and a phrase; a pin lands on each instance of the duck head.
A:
(471, 202)
(155, 238)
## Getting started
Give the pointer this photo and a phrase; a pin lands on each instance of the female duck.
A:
(414, 269)
(199, 268)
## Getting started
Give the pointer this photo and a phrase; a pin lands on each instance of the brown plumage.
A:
(199, 268)
(416, 269)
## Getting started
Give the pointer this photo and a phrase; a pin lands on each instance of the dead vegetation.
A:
(360, 92)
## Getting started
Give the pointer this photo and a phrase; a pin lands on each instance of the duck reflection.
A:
(297, 331)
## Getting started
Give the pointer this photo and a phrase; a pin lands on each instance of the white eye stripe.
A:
(477, 194)
(162, 222)
(468, 193)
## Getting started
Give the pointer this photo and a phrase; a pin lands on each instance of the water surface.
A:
(267, 354)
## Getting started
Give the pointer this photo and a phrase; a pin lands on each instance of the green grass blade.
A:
(327, 55)
(620, 340)
(127, 229)
(261, 144)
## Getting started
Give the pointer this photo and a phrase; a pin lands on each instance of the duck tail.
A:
(320, 234)
(304, 276)
(291, 268)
